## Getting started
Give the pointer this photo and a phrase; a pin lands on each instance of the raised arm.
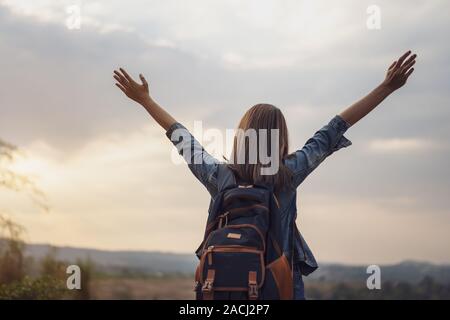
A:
(396, 77)
(140, 93)
(202, 164)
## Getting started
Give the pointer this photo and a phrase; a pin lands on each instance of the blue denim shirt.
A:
(302, 162)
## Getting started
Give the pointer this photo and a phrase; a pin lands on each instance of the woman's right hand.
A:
(396, 77)
(133, 90)
(399, 71)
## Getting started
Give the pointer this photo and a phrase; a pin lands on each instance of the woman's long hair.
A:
(262, 118)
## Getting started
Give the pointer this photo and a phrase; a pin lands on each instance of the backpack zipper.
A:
(237, 226)
(229, 248)
(232, 212)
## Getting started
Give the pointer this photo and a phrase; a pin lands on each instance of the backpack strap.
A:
(225, 178)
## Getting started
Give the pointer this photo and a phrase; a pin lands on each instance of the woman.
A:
(293, 168)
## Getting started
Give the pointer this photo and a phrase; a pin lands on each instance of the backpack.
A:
(240, 256)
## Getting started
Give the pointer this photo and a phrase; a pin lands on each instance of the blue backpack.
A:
(240, 256)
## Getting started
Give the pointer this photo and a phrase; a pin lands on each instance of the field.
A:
(145, 288)
(181, 287)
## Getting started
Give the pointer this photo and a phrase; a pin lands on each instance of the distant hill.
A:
(152, 262)
(119, 262)
(408, 271)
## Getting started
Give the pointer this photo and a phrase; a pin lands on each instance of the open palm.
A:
(138, 92)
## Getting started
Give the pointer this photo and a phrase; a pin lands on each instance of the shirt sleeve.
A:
(200, 162)
(324, 142)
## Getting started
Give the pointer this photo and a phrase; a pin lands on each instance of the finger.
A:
(407, 74)
(408, 62)
(122, 81)
(402, 58)
(392, 65)
(411, 58)
(144, 82)
(121, 77)
(408, 65)
(121, 88)
(126, 75)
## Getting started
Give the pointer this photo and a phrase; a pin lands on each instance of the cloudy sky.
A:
(106, 167)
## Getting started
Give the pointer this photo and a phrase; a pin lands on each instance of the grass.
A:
(166, 288)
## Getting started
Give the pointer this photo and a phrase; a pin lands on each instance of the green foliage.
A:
(14, 284)
(50, 284)
(42, 288)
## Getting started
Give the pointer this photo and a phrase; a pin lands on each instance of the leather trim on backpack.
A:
(282, 275)
(252, 285)
(198, 273)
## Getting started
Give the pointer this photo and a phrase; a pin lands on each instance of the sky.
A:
(108, 170)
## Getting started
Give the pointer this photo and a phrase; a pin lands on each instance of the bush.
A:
(43, 288)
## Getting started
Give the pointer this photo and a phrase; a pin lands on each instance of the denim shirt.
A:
(302, 162)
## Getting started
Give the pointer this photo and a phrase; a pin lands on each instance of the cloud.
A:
(365, 232)
(401, 146)
(110, 193)
(272, 33)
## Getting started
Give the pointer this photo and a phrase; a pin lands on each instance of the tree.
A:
(14, 284)
(18, 182)
(11, 251)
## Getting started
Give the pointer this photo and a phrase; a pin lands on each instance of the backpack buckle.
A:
(223, 216)
(207, 286)
(207, 289)
(252, 285)
(253, 292)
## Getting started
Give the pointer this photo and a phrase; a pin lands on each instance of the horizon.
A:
(194, 256)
